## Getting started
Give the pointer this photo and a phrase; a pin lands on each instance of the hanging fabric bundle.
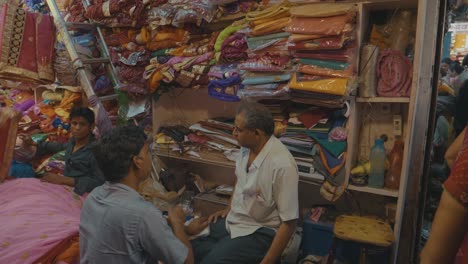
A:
(368, 80)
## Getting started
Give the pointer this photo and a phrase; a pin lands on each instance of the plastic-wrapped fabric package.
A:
(266, 90)
(322, 10)
(336, 86)
(314, 70)
(254, 79)
(330, 64)
(325, 43)
(327, 26)
(368, 65)
(343, 55)
(266, 62)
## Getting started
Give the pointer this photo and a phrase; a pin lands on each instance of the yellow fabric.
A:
(336, 86)
(271, 27)
(322, 10)
(445, 88)
(269, 11)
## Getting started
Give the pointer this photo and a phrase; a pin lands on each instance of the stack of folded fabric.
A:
(322, 42)
(268, 65)
(200, 139)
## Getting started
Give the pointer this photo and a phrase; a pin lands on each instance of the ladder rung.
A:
(80, 25)
(108, 97)
(95, 60)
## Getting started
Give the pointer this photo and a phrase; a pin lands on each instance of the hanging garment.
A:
(27, 45)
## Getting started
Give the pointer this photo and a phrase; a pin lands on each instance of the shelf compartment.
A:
(207, 157)
(404, 100)
(383, 191)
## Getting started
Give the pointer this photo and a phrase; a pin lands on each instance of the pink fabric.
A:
(395, 73)
(35, 217)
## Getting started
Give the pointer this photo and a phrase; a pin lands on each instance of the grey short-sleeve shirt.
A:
(118, 226)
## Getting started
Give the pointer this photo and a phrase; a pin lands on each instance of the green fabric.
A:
(334, 65)
(271, 36)
(336, 148)
(161, 52)
(224, 35)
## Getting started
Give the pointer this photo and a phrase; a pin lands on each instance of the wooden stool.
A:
(362, 230)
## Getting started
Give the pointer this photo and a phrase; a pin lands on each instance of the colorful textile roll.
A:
(368, 65)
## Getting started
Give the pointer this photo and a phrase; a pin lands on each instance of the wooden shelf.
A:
(383, 192)
(404, 100)
(212, 158)
(389, 4)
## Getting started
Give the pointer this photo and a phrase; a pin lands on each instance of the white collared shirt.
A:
(267, 194)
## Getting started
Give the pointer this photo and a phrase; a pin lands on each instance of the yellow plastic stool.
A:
(363, 230)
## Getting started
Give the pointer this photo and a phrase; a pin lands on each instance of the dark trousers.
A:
(219, 248)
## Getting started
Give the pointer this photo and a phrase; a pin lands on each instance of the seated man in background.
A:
(81, 170)
(117, 225)
(263, 210)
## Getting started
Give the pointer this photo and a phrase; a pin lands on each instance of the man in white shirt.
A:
(264, 207)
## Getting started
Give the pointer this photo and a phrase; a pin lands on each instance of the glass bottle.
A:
(392, 179)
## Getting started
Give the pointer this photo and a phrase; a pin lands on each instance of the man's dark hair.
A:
(84, 112)
(465, 61)
(456, 67)
(447, 61)
(257, 116)
(114, 152)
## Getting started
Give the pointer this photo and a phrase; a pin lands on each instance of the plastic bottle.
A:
(377, 164)
(392, 179)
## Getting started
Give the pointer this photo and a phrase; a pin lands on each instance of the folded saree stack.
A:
(268, 66)
(322, 43)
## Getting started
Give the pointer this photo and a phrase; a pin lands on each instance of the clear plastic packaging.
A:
(334, 86)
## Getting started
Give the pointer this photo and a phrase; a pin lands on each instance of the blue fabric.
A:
(21, 170)
(332, 161)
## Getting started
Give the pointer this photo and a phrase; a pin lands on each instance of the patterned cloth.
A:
(36, 218)
(26, 54)
(457, 186)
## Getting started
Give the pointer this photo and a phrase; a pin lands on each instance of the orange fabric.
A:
(72, 253)
(333, 170)
(67, 251)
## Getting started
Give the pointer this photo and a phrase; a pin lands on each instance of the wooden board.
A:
(8, 128)
(187, 106)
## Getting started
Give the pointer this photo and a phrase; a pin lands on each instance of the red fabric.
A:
(28, 39)
(457, 185)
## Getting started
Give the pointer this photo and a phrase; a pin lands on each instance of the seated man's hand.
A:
(27, 140)
(223, 213)
(176, 216)
(196, 226)
(55, 178)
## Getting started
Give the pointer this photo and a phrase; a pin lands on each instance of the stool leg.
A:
(331, 254)
(363, 255)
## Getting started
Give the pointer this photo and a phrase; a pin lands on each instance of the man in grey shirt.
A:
(117, 225)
